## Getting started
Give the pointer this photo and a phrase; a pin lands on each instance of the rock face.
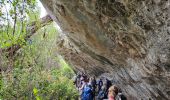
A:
(126, 40)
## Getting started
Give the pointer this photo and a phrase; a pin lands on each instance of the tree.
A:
(27, 52)
(31, 30)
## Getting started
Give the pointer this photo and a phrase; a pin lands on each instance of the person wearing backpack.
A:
(92, 82)
(101, 94)
(83, 83)
(87, 93)
(99, 84)
(107, 84)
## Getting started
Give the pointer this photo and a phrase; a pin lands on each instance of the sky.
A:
(43, 11)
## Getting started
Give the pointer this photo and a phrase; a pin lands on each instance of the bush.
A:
(27, 84)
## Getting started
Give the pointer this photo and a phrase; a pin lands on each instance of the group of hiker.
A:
(101, 89)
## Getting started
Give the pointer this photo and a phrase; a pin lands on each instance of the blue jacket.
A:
(101, 95)
(87, 93)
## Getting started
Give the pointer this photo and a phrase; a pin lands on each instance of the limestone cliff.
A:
(126, 40)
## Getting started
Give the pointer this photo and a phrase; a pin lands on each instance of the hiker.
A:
(87, 93)
(112, 93)
(101, 94)
(105, 90)
(83, 83)
(99, 84)
(83, 80)
(77, 80)
(120, 95)
(107, 84)
(83, 75)
(92, 82)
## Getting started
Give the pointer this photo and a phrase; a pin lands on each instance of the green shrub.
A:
(43, 85)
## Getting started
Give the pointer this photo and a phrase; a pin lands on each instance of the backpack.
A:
(87, 93)
(101, 95)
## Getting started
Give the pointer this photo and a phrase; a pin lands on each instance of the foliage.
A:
(37, 72)
(14, 18)
(29, 84)
(33, 77)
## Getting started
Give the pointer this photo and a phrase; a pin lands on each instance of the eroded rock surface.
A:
(126, 40)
